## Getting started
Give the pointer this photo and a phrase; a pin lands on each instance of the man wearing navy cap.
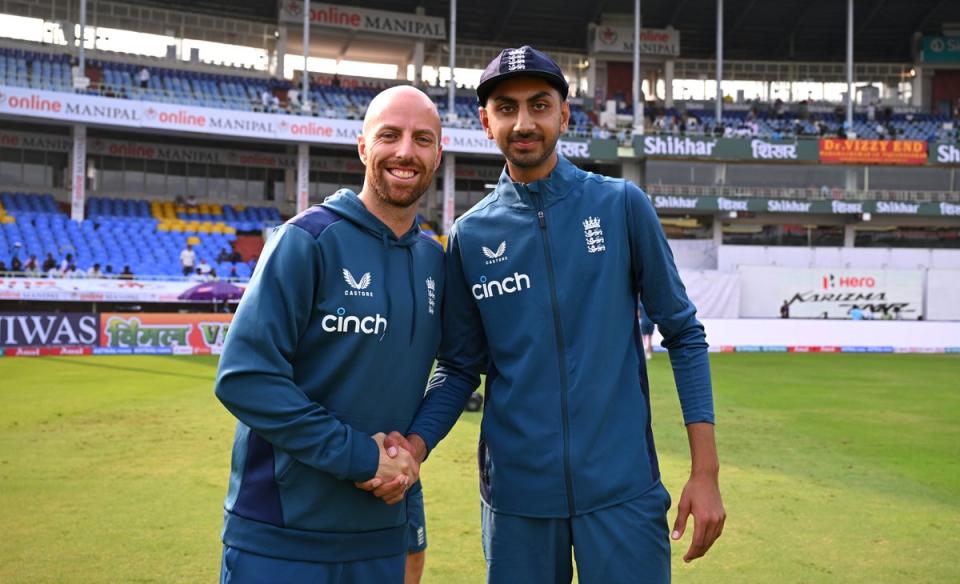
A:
(543, 278)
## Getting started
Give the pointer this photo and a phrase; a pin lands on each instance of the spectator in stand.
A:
(197, 276)
(223, 256)
(856, 313)
(265, 100)
(872, 111)
(74, 69)
(144, 77)
(16, 266)
(778, 109)
(212, 275)
(72, 272)
(203, 267)
(675, 127)
(191, 200)
(126, 274)
(785, 310)
(293, 99)
(233, 273)
(336, 80)
(53, 272)
(94, 272)
(108, 271)
(48, 263)
(66, 263)
(660, 124)
(3, 267)
(31, 266)
(188, 258)
(235, 256)
(839, 113)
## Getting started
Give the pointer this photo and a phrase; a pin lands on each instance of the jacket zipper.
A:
(561, 352)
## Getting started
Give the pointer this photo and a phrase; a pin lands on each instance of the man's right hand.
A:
(412, 443)
(396, 472)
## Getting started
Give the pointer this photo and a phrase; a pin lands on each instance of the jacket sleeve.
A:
(462, 356)
(665, 300)
(256, 380)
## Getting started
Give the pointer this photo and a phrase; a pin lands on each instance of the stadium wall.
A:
(942, 287)
(829, 336)
(41, 334)
(731, 257)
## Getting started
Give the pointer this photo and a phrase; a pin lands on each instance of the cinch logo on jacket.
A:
(508, 285)
(341, 322)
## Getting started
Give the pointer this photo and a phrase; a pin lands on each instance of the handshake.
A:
(399, 467)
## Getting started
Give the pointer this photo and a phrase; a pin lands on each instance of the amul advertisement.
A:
(831, 293)
(162, 333)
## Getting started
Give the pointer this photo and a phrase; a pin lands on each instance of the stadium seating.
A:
(115, 79)
(125, 232)
(912, 126)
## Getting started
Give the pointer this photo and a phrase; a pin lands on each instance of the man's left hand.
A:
(700, 498)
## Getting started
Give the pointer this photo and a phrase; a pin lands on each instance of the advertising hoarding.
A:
(906, 152)
(142, 332)
(830, 293)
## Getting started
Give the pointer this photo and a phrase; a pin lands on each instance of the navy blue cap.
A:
(516, 62)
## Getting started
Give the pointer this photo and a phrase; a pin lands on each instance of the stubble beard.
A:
(529, 159)
(403, 199)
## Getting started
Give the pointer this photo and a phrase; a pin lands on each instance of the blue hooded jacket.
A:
(332, 342)
(542, 286)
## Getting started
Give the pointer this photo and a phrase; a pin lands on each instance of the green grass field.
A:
(835, 468)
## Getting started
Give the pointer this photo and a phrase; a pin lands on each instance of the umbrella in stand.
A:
(216, 291)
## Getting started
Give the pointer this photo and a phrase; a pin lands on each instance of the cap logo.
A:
(516, 60)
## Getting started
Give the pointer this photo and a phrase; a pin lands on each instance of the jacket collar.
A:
(553, 188)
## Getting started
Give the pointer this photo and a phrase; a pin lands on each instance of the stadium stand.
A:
(147, 236)
(41, 70)
(51, 72)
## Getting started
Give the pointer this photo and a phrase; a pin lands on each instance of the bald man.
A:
(329, 351)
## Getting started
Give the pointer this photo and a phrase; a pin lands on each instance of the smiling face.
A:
(526, 116)
(400, 146)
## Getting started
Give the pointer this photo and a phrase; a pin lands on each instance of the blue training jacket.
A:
(542, 285)
(332, 342)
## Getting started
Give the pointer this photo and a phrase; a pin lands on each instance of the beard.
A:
(532, 158)
(403, 197)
